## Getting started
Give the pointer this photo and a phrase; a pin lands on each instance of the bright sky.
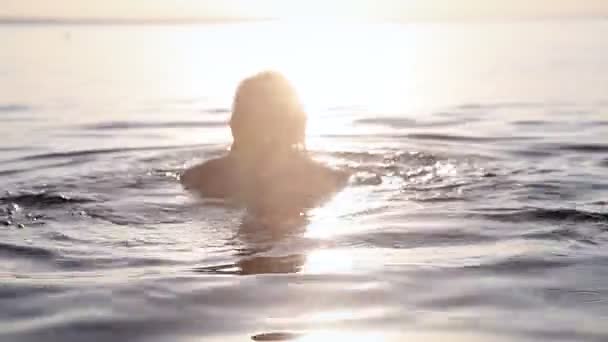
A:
(394, 9)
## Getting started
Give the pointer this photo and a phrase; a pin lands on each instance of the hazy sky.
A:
(395, 9)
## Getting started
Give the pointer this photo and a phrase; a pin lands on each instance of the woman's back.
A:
(293, 183)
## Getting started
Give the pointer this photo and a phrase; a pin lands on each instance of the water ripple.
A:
(121, 125)
(11, 250)
(582, 148)
(11, 108)
(43, 199)
(544, 214)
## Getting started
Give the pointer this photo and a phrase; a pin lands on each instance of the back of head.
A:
(267, 115)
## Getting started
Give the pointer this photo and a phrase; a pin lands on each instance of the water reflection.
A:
(267, 235)
(261, 235)
(281, 245)
(257, 230)
(269, 265)
(257, 238)
(258, 265)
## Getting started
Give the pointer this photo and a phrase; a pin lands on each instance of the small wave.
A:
(70, 163)
(462, 138)
(583, 148)
(75, 153)
(8, 249)
(366, 178)
(217, 110)
(531, 123)
(546, 187)
(80, 153)
(564, 124)
(468, 106)
(13, 108)
(59, 236)
(120, 125)
(421, 239)
(28, 290)
(276, 336)
(419, 158)
(523, 265)
(128, 218)
(561, 234)
(357, 156)
(433, 187)
(532, 153)
(500, 105)
(388, 159)
(79, 263)
(438, 199)
(13, 149)
(571, 215)
(43, 199)
(396, 122)
(430, 136)
(11, 172)
(391, 122)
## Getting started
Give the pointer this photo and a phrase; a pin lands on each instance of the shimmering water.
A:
(478, 210)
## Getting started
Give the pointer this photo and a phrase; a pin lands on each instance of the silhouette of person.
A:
(268, 169)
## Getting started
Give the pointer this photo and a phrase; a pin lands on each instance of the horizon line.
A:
(39, 20)
(126, 21)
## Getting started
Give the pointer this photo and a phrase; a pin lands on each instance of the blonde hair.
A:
(267, 115)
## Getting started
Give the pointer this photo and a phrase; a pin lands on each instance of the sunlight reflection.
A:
(328, 261)
(340, 336)
(336, 216)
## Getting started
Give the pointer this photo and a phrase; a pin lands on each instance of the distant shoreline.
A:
(208, 21)
(119, 21)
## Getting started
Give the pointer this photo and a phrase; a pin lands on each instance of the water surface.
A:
(478, 210)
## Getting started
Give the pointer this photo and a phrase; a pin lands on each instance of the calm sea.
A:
(478, 210)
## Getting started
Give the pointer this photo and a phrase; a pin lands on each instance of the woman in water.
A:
(268, 168)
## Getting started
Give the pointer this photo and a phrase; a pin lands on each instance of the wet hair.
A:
(267, 115)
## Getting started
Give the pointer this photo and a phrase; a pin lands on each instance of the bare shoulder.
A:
(211, 178)
(299, 182)
(325, 177)
(316, 179)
